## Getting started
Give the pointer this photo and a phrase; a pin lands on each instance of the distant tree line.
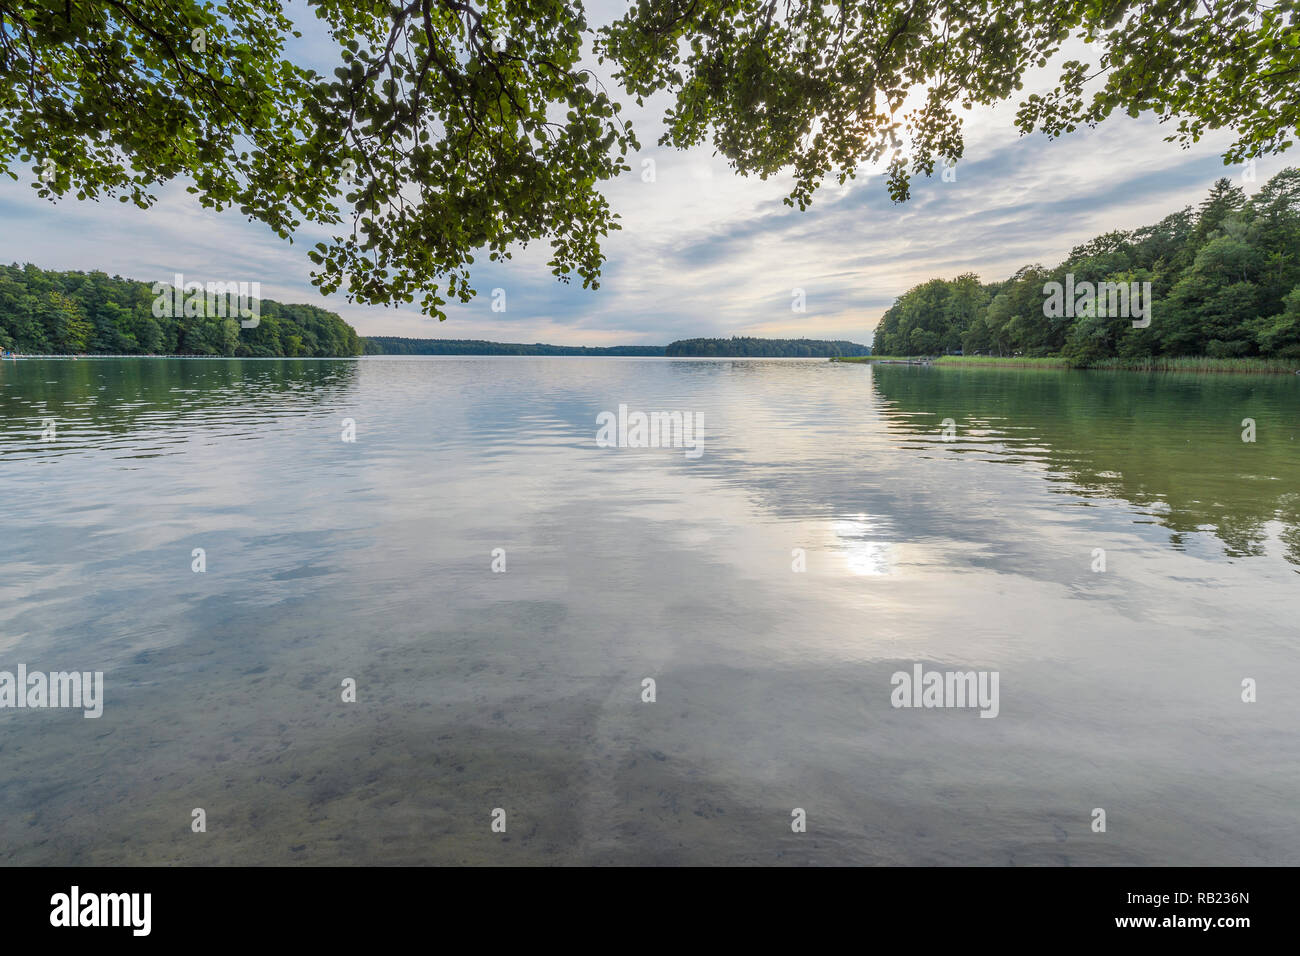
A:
(736, 346)
(769, 348)
(49, 312)
(396, 345)
(1225, 280)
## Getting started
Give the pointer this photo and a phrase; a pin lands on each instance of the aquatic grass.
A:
(1157, 363)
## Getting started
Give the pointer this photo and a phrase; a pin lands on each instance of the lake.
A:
(500, 588)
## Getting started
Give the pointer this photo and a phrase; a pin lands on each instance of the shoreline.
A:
(1193, 364)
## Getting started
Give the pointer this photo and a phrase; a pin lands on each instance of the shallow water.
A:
(372, 560)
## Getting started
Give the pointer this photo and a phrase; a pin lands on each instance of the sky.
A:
(702, 251)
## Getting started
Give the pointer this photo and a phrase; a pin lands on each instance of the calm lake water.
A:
(372, 560)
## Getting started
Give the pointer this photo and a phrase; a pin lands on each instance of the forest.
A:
(1225, 283)
(397, 345)
(769, 348)
(722, 348)
(70, 313)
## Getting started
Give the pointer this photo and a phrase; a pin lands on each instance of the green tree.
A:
(822, 87)
(1224, 200)
(1103, 333)
(1210, 309)
(65, 324)
(76, 312)
(445, 129)
(1222, 283)
(1279, 335)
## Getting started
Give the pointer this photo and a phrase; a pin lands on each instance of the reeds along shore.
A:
(1146, 364)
